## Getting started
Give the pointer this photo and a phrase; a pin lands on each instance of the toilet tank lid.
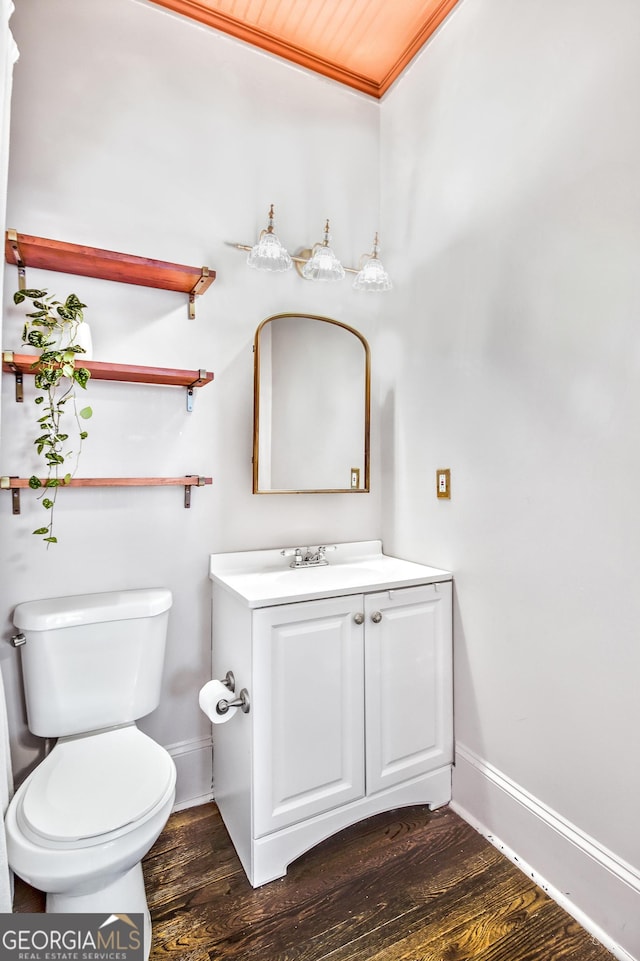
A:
(57, 612)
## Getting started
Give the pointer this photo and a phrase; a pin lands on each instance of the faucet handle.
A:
(296, 553)
(324, 549)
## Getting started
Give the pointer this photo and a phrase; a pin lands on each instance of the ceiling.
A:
(365, 44)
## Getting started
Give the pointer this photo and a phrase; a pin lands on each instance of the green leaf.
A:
(35, 483)
(51, 540)
(51, 482)
(41, 530)
(84, 434)
(74, 303)
(38, 400)
(31, 293)
(85, 413)
(47, 503)
(66, 479)
(35, 338)
(81, 375)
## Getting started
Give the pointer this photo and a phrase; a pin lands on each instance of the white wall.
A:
(137, 131)
(511, 212)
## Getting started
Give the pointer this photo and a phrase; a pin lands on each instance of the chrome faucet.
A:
(308, 556)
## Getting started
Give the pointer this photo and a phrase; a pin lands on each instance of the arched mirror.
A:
(311, 407)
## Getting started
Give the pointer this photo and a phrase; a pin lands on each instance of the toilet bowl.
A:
(71, 828)
(78, 827)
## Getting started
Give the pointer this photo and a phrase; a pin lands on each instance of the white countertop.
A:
(264, 578)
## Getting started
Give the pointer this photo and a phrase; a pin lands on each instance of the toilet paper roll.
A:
(209, 697)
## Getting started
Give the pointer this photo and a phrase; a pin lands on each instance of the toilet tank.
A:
(92, 660)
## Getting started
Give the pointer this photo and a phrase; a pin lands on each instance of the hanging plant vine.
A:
(52, 328)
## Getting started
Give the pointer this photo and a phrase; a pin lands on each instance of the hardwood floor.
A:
(410, 885)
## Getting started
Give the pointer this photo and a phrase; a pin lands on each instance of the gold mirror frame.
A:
(365, 488)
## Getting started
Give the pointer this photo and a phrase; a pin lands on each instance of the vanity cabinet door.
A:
(408, 669)
(307, 708)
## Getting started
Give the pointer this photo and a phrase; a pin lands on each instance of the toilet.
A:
(80, 824)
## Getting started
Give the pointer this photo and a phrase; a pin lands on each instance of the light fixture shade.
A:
(268, 253)
(372, 276)
(323, 263)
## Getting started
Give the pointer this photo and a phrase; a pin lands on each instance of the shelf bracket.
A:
(201, 379)
(5, 484)
(7, 358)
(12, 237)
(197, 482)
(200, 286)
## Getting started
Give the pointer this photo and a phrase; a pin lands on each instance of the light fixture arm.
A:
(299, 259)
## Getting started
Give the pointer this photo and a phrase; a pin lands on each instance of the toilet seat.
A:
(89, 789)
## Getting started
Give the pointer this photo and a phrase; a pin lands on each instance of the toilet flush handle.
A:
(18, 640)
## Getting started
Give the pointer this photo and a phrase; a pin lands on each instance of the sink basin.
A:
(347, 574)
(264, 578)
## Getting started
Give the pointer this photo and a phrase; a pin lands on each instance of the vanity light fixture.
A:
(317, 263)
(323, 263)
(372, 276)
(268, 253)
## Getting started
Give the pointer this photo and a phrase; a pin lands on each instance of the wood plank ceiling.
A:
(365, 44)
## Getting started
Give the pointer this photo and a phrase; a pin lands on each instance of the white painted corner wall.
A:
(511, 209)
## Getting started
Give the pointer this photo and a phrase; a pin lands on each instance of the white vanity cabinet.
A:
(350, 699)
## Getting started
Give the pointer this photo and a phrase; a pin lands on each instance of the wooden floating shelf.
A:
(15, 484)
(24, 250)
(190, 480)
(21, 364)
(128, 373)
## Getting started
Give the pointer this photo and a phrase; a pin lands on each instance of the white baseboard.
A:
(593, 885)
(194, 765)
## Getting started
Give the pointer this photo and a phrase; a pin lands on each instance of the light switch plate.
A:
(443, 482)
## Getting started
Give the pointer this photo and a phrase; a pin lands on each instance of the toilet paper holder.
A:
(242, 700)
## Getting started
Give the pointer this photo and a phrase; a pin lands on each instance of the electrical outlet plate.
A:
(443, 482)
(355, 478)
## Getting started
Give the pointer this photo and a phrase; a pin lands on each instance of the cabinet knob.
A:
(358, 618)
(376, 617)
